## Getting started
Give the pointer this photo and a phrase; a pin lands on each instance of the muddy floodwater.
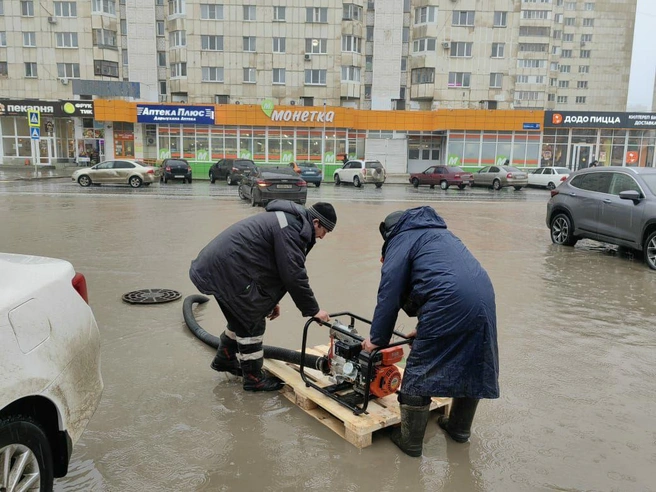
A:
(577, 339)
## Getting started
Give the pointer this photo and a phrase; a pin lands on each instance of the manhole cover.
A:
(151, 296)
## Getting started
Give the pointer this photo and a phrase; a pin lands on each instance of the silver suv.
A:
(614, 205)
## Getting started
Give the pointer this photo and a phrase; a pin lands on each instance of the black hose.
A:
(278, 353)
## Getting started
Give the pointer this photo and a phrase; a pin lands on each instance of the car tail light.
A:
(168, 169)
(509, 175)
(235, 169)
(150, 171)
(80, 285)
(563, 179)
(301, 183)
(263, 183)
(189, 169)
(554, 192)
(457, 176)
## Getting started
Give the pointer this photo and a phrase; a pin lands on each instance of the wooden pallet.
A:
(356, 429)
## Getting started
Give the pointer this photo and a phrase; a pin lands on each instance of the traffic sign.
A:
(35, 133)
(34, 118)
(531, 126)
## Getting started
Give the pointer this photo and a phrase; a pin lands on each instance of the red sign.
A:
(631, 157)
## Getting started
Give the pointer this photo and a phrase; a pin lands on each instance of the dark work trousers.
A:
(249, 338)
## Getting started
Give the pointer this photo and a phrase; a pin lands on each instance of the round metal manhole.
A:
(151, 296)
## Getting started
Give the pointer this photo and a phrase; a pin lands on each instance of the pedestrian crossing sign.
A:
(34, 118)
(35, 133)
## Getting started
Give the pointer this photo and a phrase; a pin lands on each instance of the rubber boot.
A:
(255, 379)
(225, 359)
(458, 424)
(410, 436)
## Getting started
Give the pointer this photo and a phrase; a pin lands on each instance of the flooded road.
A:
(576, 343)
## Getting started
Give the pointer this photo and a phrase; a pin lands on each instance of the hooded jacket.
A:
(252, 264)
(430, 273)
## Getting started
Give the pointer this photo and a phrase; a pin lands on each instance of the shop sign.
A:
(168, 113)
(598, 119)
(297, 115)
(64, 108)
(531, 126)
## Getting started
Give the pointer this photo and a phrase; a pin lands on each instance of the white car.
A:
(548, 177)
(50, 381)
(360, 172)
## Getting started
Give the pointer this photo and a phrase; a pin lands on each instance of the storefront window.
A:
(273, 145)
(123, 139)
(302, 145)
(216, 143)
(189, 142)
(245, 144)
(287, 145)
(315, 146)
(259, 145)
(230, 142)
(202, 144)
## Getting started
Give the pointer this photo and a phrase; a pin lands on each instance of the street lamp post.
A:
(323, 141)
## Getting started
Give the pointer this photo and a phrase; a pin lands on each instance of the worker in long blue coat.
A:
(429, 273)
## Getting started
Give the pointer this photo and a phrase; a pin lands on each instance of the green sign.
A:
(329, 157)
(287, 157)
(203, 155)
(453, 160)
(501, 160)
(245, 154)
(267, 107)
(164, 154)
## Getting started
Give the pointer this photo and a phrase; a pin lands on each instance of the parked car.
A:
(50, 380)
(498, 177)
(360, 172)
(548, 177)
(444, 176)
(271, 183)
(310, 173)
(175, 169)
(615, 205)
(231, 170)
(120, 171)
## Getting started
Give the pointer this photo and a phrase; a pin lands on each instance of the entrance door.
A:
(46, 150)
(581, 156)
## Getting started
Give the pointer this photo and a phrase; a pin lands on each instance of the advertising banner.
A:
(598, 119)
(59, 109)
(170, 113)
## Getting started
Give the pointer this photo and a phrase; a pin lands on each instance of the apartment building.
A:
(366, 54)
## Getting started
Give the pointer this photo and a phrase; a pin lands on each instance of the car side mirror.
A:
(633, 195)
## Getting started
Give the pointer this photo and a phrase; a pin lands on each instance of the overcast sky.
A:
(643, 62)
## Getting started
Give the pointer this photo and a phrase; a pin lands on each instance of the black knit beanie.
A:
(325, 214)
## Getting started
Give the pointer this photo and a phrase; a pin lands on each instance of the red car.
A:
(444, 176)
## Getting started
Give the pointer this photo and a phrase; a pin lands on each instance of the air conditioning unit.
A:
(237, 102)
(446, 45)
(308, 56)
(64, 81)
(150, 141)
(292, 103)
(52, 20)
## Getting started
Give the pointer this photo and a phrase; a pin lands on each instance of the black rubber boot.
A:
(255, 379)
(225, 359)
(458, 423)
(410, 436)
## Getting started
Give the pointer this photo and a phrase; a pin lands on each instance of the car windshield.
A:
(455, 169)
(512, 169)
(373, 165)
(650, 180)
(176, 162)
(276, 171)
(307, 164)
(562, 170)
(244, 164)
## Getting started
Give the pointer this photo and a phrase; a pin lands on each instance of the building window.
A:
(316, 46)
(588, 6)
(350, 74)
(159, 2)
(367, 92)
(405, 34)
(209, 11)
(500, 19)
(250, 12)
(521, 63)
(564, 68)
(212, 74)
(570, 21)
(315, 77)
(498, 50)
(561, 99)
(584, 69)
(250, 75)
(68, 70)
(3, 69)
(534, 31)
(177, 39)
(279, 14)
(423, 76)
(536, 14)
(428, 44)
(124, 26)
(461, 50)
(553, 82)
(176, 7)
(279, 76)
(221, 99)
(65, 9)
(586, 38)
(104, 38)
(459, 79)
(250, 44)
(27, 8)
(553, 66)
(536, 1)
(463, 18)
(105, 68)
(178, 70)
(566, 54)
(3, 39)
(160, 28)
(534, 47)
(585, 54)
(404, 63)
(551, 97)
(30, 70)
(211, 43)
(528, 96)
(370, 34)
(29, 39)
(530, 79)
(568, 37)
(66, 39)
(424, 15)
(103, 7)
(555, 50)
(352, 12)
(557, 34)
(351, 44)
(582, 84)
(495, 80)
(563, 84)
(316, 15)
(570, 6)
(278, 45)
(124, 56)
(161, 58)
(580, 99)
(162, 86)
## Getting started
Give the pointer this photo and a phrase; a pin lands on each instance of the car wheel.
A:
(135, 181)
(337, 180)
(356, 182)
(317, 184)
(415, 182)
(649, 250)
(212, 178)
(161, 179)
(146, 184)
(496, 185)
(444, 185)
(166, 180)
(240, 192)
(432, 187)
(379, 186)
(189, 180)
(84, 180)
(462, 187)
(517, 188)
(551, 186)
(24, 447)
(253, 201)
(562, 230)
(229, 180)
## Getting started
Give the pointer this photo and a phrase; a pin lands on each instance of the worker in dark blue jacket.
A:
(429, 273)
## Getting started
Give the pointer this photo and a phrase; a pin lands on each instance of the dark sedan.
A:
(266, 184)
(230, 169)
(310, 173)
(175, 169)
(444, 176)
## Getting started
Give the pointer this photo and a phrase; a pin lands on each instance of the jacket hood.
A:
(417, 218)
